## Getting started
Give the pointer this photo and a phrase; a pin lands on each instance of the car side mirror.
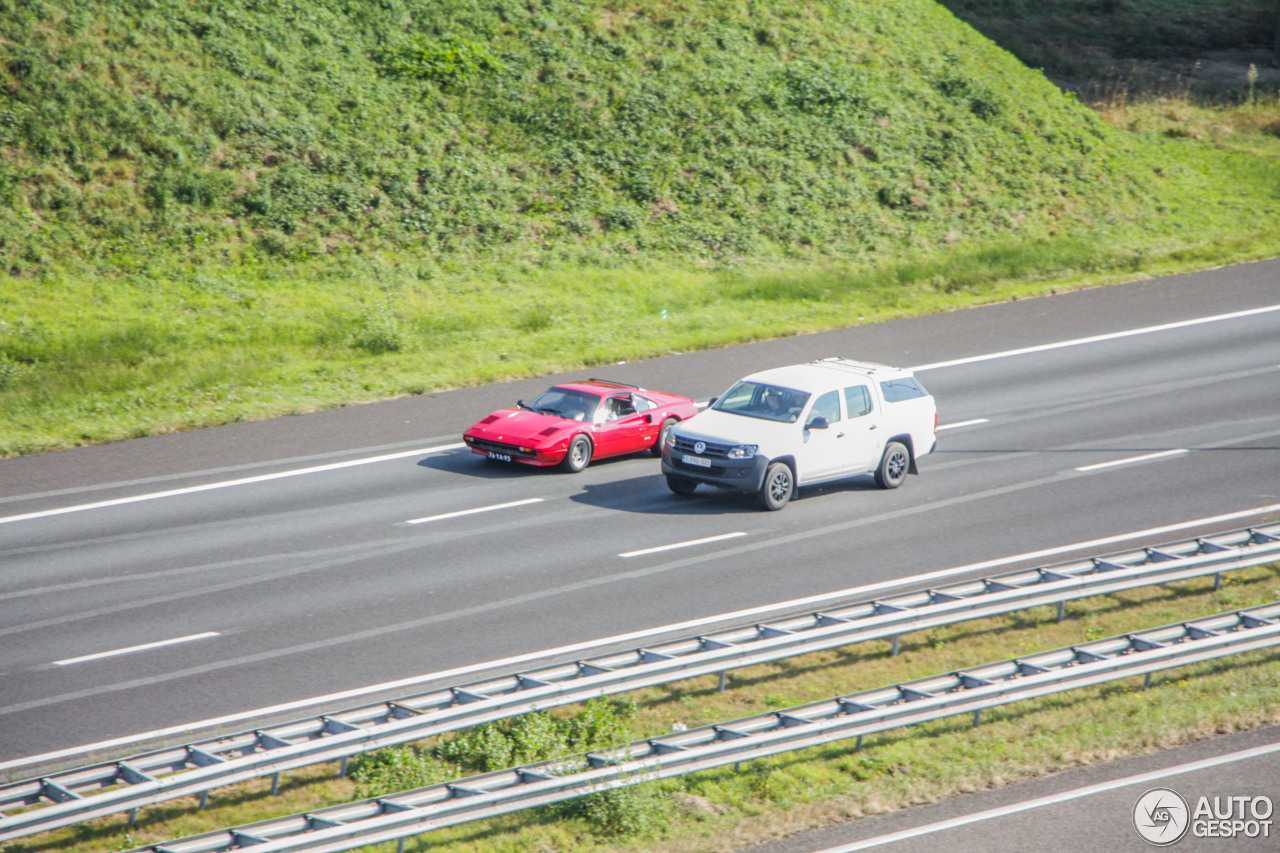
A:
(520, 404)
(817, 422)
(712, 402)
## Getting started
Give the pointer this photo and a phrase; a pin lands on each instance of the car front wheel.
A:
(579, 455)
(663, 432)
(778, 486)
(893, 466)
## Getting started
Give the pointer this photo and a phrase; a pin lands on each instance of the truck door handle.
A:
(873, 426)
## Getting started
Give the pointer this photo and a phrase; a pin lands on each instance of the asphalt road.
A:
(261, 565)
(1092, 808)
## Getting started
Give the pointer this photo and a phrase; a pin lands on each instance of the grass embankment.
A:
(724, 809)
(223, 212)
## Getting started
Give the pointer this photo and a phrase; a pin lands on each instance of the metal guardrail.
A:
(971, 690)
(193, 769)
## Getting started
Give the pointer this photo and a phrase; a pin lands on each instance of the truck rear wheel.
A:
(893, 466)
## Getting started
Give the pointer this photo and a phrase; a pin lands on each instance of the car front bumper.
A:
(503, 452)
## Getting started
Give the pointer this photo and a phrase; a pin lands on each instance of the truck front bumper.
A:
(745, 475)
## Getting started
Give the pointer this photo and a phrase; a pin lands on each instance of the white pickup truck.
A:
(805, 424)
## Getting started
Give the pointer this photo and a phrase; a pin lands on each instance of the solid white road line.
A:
(673, 546)
(959, 424)
(1165, 327)
(142, 648)
(1056, 799)
(225, 484)
(506, 663)
(1132, 459)
(354, 462)
(473, 511)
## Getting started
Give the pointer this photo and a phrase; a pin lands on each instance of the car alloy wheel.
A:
(578, 456)
(663, 431)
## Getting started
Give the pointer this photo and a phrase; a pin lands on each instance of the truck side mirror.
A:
(817, 422)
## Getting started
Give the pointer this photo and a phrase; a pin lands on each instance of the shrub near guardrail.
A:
(537, 736)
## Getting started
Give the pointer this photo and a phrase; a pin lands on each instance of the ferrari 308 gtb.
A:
(571, 424)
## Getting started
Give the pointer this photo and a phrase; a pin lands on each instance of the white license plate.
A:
(501, 457)
(696, 460)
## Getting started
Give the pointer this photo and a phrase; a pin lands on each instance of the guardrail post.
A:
(977, 717)
(1217, 581)
(400, 846)
(275, 784)
(1146, 681)
(204, 800)
(342, 768)
(894, 653)
(133, 817)
(720, 688)
(1062, 610)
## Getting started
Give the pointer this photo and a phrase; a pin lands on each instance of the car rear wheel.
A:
(579, 455)
(681, 486)
(663, 431)
(893, 466)
(778, 486)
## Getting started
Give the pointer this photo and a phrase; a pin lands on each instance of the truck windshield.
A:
(763, 401)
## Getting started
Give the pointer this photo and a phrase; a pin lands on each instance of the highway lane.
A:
(294, 586)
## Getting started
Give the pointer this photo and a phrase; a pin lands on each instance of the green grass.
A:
(230, 211)
(814, 787)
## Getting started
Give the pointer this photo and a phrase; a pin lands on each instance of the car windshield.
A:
(763, 401)
(566, 403)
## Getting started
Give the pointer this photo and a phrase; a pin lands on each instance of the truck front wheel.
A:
(681, 486)
(778, 486)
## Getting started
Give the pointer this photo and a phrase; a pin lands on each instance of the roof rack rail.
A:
(868, 367)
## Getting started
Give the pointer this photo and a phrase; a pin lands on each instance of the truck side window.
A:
(857, 400)
(897, 390)
(828, 406)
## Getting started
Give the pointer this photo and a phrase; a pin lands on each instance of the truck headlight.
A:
(743, 451)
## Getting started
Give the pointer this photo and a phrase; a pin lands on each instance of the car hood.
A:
(725, 428)
(521, 426)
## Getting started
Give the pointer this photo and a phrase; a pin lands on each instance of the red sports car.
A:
(571, 424)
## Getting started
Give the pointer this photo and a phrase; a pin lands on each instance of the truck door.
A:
(862, 441)
(821, 450)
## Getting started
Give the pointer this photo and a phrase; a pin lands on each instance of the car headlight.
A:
(671, 438)
(743, 451)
